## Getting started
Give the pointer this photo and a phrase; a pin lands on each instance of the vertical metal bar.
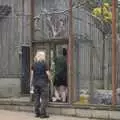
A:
(91, 46)
(32, 29)
(103, 48)
(103, 59)
(20, 43)
(91, 74)
(114, 2)
(49, 54)
(70, 54)
(23, 35)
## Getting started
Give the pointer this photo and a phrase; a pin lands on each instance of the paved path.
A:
(9, 115)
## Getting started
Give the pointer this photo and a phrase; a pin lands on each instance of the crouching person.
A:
(39, 80)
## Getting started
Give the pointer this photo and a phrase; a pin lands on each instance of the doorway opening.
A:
(56, 58)
(25, 70)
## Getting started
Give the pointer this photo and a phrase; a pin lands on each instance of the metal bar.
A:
(70, 55)
(32, 30)
(91, 75)
(21, 40)
(114, 2)
(32, 19)
(92, 46)
(32, 23)
(103, 47)
(23, 10)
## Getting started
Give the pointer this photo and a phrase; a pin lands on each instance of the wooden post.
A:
(70, 55)
(114, 32)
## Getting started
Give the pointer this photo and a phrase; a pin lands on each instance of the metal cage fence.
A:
(93, 53)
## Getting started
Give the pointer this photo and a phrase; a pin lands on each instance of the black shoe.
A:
(37, 115)
(44, 116)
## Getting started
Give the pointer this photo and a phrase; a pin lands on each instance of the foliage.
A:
(103, 12)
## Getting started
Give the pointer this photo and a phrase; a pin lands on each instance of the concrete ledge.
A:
(10, 87)
(68, 111)
(60, 109)
(84, 113)
(114, 114)
(56, 111)
(100, 114)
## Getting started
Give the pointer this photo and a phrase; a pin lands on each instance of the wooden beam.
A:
(114, 37)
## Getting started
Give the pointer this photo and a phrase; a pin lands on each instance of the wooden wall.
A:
(14, 33)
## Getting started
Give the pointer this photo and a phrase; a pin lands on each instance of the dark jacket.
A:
(39, 73)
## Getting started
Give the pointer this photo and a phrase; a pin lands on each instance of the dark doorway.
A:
(25, 70)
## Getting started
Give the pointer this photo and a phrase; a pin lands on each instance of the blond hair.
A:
(40, 56)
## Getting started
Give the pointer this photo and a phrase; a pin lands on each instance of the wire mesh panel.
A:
(92, 47)
(14, 61)
(51, 25)
(118, 55)
(93, 44)
(9, 47)
(12, 38)
(118, 70)
(50, 20)
(51, 28)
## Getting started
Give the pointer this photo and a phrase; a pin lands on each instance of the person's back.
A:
(60, 64)
(39, 80)
(61, 70)
(40, 76)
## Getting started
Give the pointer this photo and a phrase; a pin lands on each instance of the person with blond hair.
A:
(40, 77)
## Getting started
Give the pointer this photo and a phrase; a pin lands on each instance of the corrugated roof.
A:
(5, 10)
